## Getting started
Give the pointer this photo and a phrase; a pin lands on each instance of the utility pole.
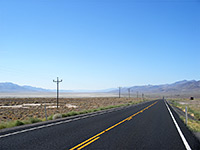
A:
(142, 96)
(137, 94)
(57, 89)
(119, 92)
(129, 92)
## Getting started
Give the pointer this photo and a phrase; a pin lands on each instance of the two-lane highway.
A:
(151, 125)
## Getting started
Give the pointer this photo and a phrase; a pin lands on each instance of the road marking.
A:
(187, 146)
(57, 123)
(67, 121)
(85, 117)
(76, 119)
(88, 143)
(96, 137)
(87, 140)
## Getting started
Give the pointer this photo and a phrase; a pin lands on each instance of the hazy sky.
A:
(99, 44)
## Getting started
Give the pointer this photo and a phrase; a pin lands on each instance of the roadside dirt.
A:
(24, 108)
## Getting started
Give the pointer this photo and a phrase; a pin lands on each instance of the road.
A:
(151, 125)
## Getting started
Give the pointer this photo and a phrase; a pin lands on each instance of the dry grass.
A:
(192, 124)
(193, 110)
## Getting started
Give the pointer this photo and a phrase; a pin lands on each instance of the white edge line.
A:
(187, 146)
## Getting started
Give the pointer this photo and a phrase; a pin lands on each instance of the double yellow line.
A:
(97, 136)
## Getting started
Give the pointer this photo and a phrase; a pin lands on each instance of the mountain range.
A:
(180, 87)
(11, 87)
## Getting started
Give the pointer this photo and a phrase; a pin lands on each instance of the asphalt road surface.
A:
(151, 125)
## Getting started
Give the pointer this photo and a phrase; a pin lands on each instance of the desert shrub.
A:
(101, 108)
(65, 115)
(98, 109)
(18, 123)
(191, 110)
(57, 116)
(94, 110)
(73, 113)
(197, 115)
(89, 111)
(84, 112)
(2, 126)
(81, 112)
(50, 117)
(8, 124)
(175, 103)
(34, 120)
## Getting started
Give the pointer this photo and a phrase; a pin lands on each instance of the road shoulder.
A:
(181, 113)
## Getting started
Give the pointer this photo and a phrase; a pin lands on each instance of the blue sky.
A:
(99, 44)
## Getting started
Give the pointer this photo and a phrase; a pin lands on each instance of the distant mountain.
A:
(11, 87)
(179, 87)
(94, 91)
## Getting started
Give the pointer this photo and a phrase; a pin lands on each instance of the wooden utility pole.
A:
(57, 89)
(119, 92)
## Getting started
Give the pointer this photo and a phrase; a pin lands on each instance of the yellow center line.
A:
(96, 137)
(87, 140)
(88, 143)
